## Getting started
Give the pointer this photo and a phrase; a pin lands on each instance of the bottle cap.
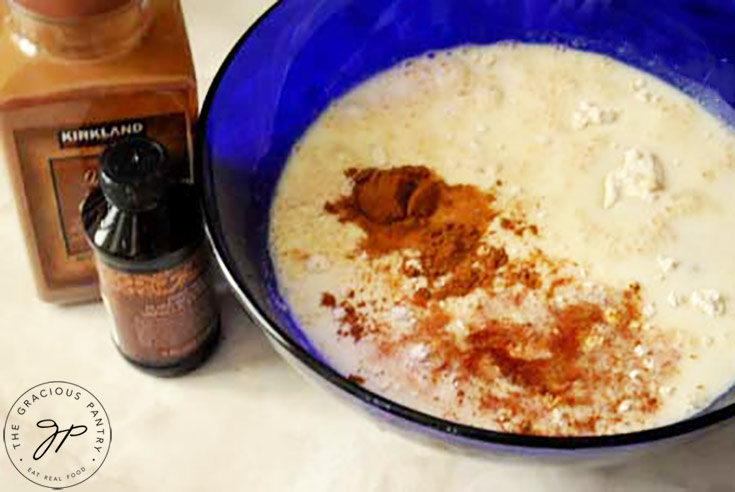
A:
(134, 174)
(70, 9)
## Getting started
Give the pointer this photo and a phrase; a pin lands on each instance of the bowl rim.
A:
(451, 430)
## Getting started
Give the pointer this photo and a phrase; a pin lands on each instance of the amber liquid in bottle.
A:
(77, 76)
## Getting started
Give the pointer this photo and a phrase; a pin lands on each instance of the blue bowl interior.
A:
(304, 54)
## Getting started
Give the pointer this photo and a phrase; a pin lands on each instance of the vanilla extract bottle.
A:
(153, 260)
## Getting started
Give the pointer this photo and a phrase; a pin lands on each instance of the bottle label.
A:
(161, 318)
(62, 165)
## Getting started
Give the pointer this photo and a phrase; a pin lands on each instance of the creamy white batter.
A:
(625, 176)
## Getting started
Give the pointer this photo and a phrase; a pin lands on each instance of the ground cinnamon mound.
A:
(394, 195)
(410, 208)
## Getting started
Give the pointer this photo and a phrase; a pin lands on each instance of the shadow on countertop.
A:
(705, 464)
(242, 343)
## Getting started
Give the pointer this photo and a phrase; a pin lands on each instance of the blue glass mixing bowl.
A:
(304, 53)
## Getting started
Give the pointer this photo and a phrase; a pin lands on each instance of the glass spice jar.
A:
(152, 258)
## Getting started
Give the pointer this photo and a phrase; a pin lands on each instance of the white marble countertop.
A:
(246, 421)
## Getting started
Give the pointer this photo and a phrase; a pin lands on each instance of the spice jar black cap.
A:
(134, 174)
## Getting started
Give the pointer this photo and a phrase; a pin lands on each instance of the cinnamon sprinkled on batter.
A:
(573, 354)
(328, 300)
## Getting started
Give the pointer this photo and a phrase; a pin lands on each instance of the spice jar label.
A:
(104, 134)
(73, 178)
(62, 162)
